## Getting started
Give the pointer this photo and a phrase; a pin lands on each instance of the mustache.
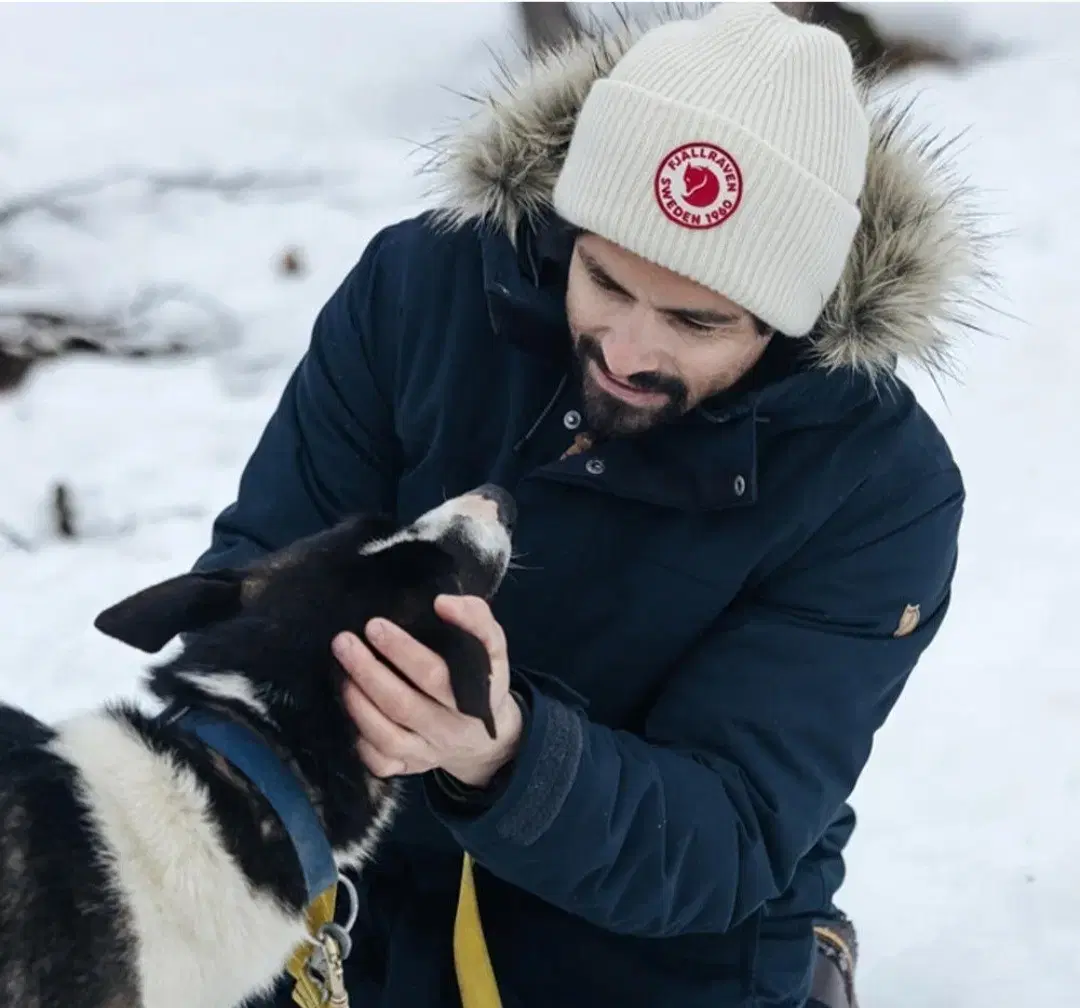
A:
(588, 349)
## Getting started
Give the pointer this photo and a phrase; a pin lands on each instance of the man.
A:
(662, 306)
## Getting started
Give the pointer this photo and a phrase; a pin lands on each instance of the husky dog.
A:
(166, 860)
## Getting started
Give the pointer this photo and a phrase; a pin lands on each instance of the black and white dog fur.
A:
(138, 868)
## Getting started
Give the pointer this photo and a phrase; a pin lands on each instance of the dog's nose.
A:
(502, 499)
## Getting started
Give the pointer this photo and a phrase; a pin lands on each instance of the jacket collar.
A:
(709, 460)
(525, 287)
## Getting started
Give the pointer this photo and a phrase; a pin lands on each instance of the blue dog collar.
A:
(245, 750)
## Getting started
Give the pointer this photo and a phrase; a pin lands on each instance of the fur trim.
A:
(917, 262)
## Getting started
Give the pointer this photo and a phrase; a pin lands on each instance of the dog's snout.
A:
(506, 508)
(475, 529)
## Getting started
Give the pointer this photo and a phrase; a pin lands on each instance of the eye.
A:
(606, 284)
(696, 328)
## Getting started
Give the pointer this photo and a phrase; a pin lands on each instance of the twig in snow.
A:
(63, 514)
(11, 536)
(30, 333)
(27, 335)
(232, 185)
(63, 523)
(52, 200)
(133, 522)
(12, 370)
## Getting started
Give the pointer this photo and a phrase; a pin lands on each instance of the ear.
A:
(151, 618)
(470, 669)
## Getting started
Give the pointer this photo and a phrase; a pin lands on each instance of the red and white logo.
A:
(698, 185)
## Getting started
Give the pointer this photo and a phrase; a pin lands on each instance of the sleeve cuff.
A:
(539, 781)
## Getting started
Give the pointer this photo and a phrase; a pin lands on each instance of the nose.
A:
(627, 352)
(507, 509)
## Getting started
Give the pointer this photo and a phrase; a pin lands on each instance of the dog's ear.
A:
(151, 618)
(470, 669)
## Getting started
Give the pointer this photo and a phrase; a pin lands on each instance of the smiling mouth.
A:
(627, 393)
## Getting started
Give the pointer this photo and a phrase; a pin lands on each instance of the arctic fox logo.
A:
(701, 186)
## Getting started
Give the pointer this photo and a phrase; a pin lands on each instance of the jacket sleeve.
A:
(747, 755)
(329, 448)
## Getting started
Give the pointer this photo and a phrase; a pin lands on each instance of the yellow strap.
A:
(827, 934)
(305, 992)
(475, 975)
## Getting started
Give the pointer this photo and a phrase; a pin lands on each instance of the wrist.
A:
(509, 724)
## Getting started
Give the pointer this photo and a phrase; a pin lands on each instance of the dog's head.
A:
(272, 623)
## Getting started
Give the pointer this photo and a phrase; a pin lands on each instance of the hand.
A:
(410, 727)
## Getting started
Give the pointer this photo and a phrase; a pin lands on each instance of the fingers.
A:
(387, 748)
(395, 698)
(378, 763)
(410, 722)
(425, 669)
(474, 615)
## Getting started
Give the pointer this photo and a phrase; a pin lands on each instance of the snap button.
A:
(572, 420)
(740, 486)
(594, 467)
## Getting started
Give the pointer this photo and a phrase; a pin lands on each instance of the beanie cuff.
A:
(780, 252)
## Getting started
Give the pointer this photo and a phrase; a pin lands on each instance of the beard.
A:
(608, 416)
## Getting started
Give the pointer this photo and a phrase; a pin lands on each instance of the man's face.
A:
(650, 344)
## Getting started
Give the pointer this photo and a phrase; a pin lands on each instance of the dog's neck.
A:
(233, 671)
(279, 784)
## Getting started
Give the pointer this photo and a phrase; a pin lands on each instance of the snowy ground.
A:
(963, 876)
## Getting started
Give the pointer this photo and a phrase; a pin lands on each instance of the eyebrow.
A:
(703, 318)
(695, 316)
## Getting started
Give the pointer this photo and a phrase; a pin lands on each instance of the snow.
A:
(962, 876)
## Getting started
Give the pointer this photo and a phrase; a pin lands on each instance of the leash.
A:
(317, 964)
(472, 963)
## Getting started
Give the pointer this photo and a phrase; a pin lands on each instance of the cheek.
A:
(706, 369)
(587, 308)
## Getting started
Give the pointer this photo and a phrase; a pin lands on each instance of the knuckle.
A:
(369, 755)
(467, 607)
(380, 734)
(495, 639)
(432, 673)
(357, 706)
(399, 707)
(380, 764)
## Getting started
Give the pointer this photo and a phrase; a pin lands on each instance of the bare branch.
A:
(53, 201)
(28, 334)
(64, 526)
(9, 535)
(63, 514)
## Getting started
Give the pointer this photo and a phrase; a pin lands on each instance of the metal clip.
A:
(334, 959)
(320, 974)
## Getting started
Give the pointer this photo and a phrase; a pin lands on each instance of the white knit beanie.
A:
(732, 150)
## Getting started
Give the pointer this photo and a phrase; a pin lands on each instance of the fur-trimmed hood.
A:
(917, 260)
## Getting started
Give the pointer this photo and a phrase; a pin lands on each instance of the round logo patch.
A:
(698, 185)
